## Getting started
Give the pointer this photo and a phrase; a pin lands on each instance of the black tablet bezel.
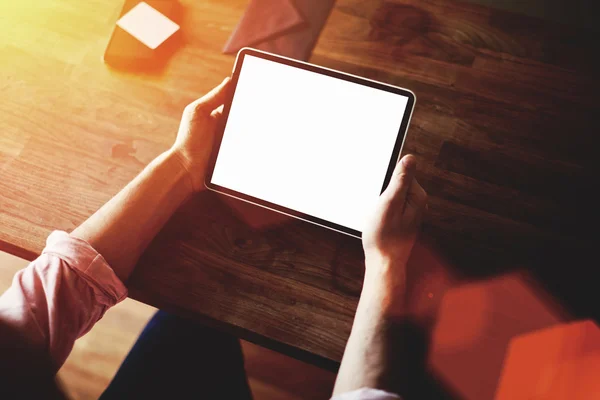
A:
(321, 70)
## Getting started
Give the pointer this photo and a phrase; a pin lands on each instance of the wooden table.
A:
(504, 131)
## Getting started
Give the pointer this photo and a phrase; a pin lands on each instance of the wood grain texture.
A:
(505, 132)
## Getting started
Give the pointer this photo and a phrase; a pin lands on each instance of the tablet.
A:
(310, 142)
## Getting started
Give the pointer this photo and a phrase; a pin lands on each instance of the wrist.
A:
(182, 168)
(385, 284)
(177, 172)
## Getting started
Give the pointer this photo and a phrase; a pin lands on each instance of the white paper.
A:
(148, 25)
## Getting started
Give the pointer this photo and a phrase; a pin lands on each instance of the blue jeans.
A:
(175, 358)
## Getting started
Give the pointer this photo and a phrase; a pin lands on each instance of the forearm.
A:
(374, 355)
(122, 229)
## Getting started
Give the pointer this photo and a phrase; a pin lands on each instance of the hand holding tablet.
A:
(306, 141)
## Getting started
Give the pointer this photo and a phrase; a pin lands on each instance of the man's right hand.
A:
(390, 235)
(376, 352)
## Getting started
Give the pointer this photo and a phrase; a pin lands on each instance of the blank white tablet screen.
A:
(309, 142)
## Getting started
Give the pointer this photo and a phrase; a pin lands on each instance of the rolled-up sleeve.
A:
(61, 295)
(367, 394)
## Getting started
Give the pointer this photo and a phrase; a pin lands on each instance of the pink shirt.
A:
(61, 295)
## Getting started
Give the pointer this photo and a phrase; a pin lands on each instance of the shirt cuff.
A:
(367, 394)
(81, 256)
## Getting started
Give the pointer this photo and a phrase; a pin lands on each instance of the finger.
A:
(215, 117)
(217, 112)
(417, 197)
(402, 178)
(415, 206)
(212, 99)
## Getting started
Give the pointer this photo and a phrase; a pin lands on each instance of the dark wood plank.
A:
(275, 278)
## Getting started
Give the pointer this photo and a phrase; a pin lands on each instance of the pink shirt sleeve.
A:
(61, 295)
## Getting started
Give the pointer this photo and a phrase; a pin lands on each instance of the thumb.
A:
(402, 178)
(212, 99)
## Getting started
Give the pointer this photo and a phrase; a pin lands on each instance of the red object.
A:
(475, 325)
(562, 362)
